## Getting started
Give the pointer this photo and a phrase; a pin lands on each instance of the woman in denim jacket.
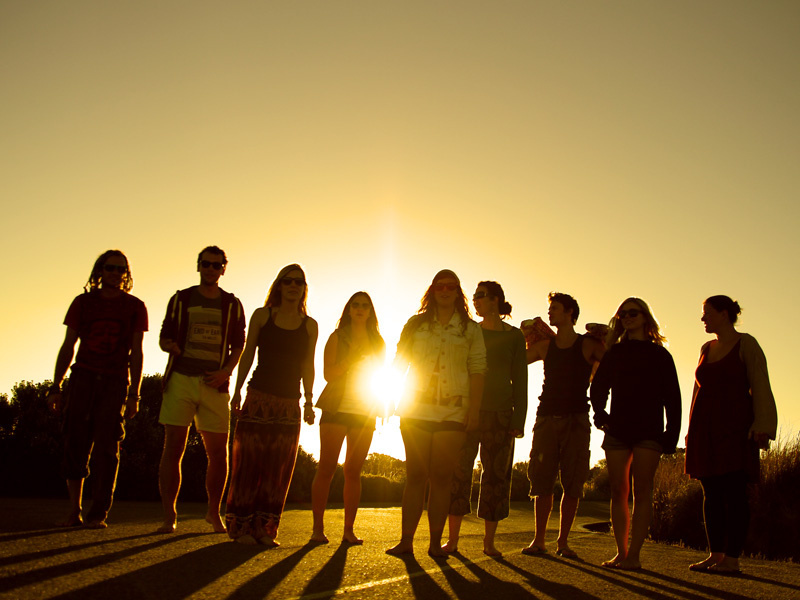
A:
(443, 351)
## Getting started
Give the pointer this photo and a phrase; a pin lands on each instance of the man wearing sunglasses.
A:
(562, 432)
(203, 333)
(110, 324)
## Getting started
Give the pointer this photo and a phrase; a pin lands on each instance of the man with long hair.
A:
(103, 385)
(203, 333)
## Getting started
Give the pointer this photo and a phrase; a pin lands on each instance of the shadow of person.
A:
(422, 584)
(465, 588)
(330, 576)
(262, 584)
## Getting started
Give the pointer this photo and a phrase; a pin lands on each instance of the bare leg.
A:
(418, 456)
(490, 528)
(713, 558)
(216, 445)
(454, 528)
(645, 463)
(169, 473)
(619, 464)
(330, 445)
(75, 491)
(543, 505)
(445, 451)
(358, 443)
(569, 507)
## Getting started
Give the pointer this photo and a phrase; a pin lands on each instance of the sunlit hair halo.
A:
(274, 297)
(427, 309)
(96, 276)
(652, 332)
(372, 320)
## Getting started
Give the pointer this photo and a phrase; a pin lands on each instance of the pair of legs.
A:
(726, 512)
(641, 463)
(431, 457)
(496, 446)
(560, 448)
(331, 437)
(567, 509)
(169, 474)
(93, 428)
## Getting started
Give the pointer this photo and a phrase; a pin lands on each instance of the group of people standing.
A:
(465, 393)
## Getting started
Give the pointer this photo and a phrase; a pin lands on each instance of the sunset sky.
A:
(603, 149)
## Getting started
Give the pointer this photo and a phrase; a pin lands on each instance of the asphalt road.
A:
(129, 560)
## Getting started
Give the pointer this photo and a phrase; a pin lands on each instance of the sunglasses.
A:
(207, 263)
(479, 295)
(293, 280)
(440, 287)
(633, 312)
(118, 268)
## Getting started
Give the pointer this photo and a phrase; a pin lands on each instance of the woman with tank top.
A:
(640, 374)
(443, 351)
(349, 408)
(268, 428)
(733, 415)
(502, 418)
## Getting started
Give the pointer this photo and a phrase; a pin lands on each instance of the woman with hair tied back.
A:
(268, 428)
(640, 374)
(442, 349)
(349, 408)
(502, 418)
(733, 415)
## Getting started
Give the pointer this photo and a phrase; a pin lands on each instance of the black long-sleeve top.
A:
(644, 385)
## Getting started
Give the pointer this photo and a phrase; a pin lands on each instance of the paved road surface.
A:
(129, 560)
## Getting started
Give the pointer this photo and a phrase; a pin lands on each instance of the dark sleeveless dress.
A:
(720, 419)
(267, 434)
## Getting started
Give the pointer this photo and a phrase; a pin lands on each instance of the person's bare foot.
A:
(268, 542)
(350, 538)
(491, 551)
(629, 564)
(318, 537)
(612, 563)
(215, 521)
(246, 540)
(167, 527)
(404, 547)
(704, 564)
(451, 547)
(96, 524)
(437, 552)
(73, 519)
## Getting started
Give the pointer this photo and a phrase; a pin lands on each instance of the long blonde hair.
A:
(617, 333)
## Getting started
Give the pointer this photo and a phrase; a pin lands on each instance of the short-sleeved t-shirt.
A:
(105, 328)
(203, 346)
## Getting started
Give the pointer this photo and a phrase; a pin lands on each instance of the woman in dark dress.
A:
(733, 415)
(640, 374)
(268, 429)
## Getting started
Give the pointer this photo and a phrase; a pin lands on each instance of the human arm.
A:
(519, 387)
(136, 359)
(55, 398)
(593, 351)
(765, 422)
(248, 354)
(307, 371)
(168, 336)
(537, 351)
(216, 379)
(598, 392)
(333, 370)
(672, 405)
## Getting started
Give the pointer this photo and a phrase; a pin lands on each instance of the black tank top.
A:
(280, 357)
(566, 379)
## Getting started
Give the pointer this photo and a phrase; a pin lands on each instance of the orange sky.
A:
(601, 149)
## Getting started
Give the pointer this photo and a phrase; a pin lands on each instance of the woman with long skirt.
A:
(443, 350)
(502, 418)
(733, 416)
(268, 428)
(349, 409)
(640, 374)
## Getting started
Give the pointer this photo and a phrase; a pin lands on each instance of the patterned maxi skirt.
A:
(264, 452)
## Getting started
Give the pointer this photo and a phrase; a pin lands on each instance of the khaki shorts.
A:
(188, 398)
(560, 445)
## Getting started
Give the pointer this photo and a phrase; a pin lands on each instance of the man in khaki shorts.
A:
(203, 332)
(562, 431)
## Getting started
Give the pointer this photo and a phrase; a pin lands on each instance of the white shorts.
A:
(188, 398)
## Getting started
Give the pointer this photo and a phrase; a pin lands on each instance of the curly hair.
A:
(96, 276)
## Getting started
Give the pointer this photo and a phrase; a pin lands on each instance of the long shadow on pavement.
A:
(330, 576)
(713, 577)
(464, 588)
(45, 573)
(422, 584)
(262, 584)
